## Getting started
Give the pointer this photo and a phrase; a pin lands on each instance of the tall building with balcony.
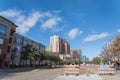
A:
(55, 44)
(12, 44)
(18, 46)
(60, 45)
(7, 30)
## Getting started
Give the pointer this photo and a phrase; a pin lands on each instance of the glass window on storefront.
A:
(3, 30)
(1, 40)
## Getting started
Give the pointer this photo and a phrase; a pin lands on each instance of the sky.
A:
(86, 24)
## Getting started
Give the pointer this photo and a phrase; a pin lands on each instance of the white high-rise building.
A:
(54, 43)
(58, 44)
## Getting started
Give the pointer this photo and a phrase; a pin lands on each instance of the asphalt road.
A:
(36, 74)
(52, 74)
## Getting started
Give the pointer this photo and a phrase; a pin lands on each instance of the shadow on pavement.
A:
(17, 71)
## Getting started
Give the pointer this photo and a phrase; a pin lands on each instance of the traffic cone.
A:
(87, 73)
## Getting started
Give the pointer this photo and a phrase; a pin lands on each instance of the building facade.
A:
(7, 30)
(85, 59)
(18, 46)
(60, 45)
(12, 44)
(76, 54)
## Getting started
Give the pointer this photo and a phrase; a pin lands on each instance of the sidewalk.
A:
(36, 74)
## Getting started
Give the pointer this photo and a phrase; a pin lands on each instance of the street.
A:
(105, 77)
(53, 74)
(36, 74)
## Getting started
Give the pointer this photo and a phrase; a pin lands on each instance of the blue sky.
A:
(86, 24)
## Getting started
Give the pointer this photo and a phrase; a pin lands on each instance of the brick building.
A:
(7, 30)
(12, 44)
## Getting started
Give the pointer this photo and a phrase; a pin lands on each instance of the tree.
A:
(53, 56)
(43, 56)
(37, 56)
(96, 60)
(112, 49)
(29, 53)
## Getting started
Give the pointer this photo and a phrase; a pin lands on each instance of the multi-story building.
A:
(76, 54)
(55, 44)
(66, 48)
(7, 30)
(60, 45)
(12, 44)
(85, 59)
(18, 47)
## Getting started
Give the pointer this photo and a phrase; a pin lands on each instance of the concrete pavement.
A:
(80, 77)
(53, 74)
(36, 74)
(105, 77)
(94, 76)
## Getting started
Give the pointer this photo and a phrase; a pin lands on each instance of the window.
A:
(25, 43)
(3, 30)
(18, 40)
(8, 50)
(0, 51)
(10, 40)
(12, 32)
(1, 41)
(57, 39)
(23, 49)
(16, 48)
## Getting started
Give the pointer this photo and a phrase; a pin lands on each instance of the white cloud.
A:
(96, 37)
(48, 14)
(51, 22)
(80, 32)
(73, 33)
(118, 30)
(26, 22)
(56, 11)
(10, 13)
(57, 29)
